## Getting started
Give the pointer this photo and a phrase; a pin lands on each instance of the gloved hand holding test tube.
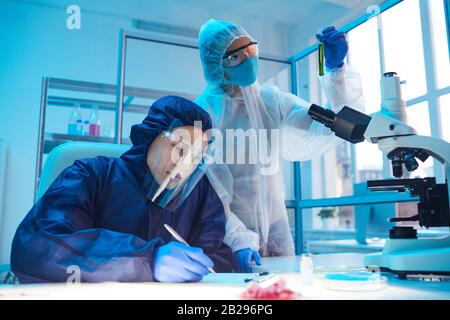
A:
(333, 47)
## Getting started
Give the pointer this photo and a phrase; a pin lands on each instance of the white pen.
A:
(179, 238)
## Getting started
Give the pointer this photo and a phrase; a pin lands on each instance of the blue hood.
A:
(161, 116)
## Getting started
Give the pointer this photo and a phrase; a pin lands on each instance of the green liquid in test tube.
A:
(321, 58)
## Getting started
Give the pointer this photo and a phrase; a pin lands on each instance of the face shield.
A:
(177, 159)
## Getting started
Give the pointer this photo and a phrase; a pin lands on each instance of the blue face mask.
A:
(243, 74)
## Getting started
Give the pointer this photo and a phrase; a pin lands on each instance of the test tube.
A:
(321, 58)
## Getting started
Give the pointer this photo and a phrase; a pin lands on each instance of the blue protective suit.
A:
(96, 214)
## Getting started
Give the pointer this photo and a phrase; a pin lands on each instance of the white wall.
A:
(36, 43)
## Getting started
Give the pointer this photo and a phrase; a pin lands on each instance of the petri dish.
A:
(349, 278)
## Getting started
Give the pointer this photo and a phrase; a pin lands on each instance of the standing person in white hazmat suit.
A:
(252, 194)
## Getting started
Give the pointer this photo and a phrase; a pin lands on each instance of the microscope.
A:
(404, 254)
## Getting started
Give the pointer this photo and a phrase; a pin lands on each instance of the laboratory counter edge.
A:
(230, 286)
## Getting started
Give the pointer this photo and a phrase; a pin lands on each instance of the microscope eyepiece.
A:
(348, 124)
(322, 115)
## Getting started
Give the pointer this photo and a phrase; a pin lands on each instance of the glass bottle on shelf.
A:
(85, 127)
(94, 122)
(75, 126)
(79, 127)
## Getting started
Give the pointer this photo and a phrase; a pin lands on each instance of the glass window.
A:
(418, 118)
(275, 73)
(444, 102)
(339, 229)
(307, 77)
(288, 174)
(364, 56)
(403, 46)
(369, 162)
(333, 229)
(154, 66)
(313, 172)
(291, 219)
(440, 41)
(328, 175)
(304, 77)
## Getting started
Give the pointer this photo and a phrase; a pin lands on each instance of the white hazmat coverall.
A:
(252, 193)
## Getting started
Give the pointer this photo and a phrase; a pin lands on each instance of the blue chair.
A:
(65, 155)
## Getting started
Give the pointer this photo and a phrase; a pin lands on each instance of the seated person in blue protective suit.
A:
(106, 216)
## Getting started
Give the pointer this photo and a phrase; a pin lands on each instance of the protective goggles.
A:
(239, 55)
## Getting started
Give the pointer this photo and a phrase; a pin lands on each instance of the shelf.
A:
(110, 89)
(102, 105)
(52, 140)
(107, 89)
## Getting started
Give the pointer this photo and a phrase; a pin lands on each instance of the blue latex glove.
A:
(335, 47)
(243, 259)
(177, 262)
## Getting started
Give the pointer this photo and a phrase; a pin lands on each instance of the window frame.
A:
(432, 97)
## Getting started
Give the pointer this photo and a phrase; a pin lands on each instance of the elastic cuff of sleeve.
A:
(243, 246)
(243, 242)
(330, 67)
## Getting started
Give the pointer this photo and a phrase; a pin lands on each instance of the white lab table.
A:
(345, 245)
(230, 286)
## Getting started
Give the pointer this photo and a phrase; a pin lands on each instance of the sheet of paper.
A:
(232, 278)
